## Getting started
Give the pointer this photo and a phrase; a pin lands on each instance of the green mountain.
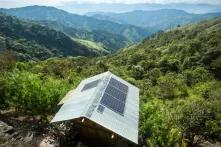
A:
(158, 19)
(131, 32)
(110, 42)
(178, 73)
(31, 40)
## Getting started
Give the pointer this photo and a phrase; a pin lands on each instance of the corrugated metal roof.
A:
(85, 104)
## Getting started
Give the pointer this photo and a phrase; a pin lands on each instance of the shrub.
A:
(200, 118)
(171, 86)
(199, 74)
(31, 94)
(155, 121)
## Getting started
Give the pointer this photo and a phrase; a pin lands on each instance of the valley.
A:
(46, 52)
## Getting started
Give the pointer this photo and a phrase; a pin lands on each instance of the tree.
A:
(171, 86)
(196, 75)
(200, 118)
(137, 72)
(156, 122)
(7, 61)
(102, 66)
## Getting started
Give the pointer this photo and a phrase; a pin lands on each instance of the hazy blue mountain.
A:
(83, 8)
(33, 41)
(133, 33)
(159, 19)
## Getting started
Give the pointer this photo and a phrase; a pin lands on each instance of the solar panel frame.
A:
(90, 85)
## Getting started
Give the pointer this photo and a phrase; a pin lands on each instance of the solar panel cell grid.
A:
(116, 93)
(112, 103)
(115, 96)
(122, 87)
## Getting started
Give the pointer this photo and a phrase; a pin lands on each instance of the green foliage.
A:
(208, 90)
(137, 72)
(132, 33)
(102, 67)
(155, 120)
(171, 86)
(7, 61)
(176, 72)
(199, 74)
(32, 41)
(32, 94)
(200, 118)
(106, 40)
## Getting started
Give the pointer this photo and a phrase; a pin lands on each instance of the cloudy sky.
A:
(19, 3)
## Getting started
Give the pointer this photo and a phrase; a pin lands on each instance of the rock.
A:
(28, 137)
(48, 142)
(4, 128)
(209, 144)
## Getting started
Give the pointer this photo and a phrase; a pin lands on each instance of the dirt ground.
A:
(19, 130)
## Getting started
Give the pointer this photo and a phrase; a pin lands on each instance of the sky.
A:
(20, 3)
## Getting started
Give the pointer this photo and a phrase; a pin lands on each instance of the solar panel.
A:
(90, 85)
(112, 103)
(122, 87)
(116, 93)
(115, 96)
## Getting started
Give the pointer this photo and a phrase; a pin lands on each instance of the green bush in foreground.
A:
(31, 94)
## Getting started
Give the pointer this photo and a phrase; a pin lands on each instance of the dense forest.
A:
(108, 32)
(38, 13)
(32, 41)
(109, 41)
(178, 73)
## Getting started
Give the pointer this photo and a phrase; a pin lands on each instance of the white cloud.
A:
(20, 3)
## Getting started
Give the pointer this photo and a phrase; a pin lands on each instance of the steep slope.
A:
(133, 33)
(177, 72)
(110, 42)
(183, 48)
(158, 19)
(35, 41)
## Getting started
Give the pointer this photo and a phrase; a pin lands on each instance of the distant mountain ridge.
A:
(31, 41)
(83, 8)
(158, 19)
(133, 33)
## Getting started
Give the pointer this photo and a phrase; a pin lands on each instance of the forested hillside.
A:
(111, 42)
(178, 73)
(32, 41)
(131, 32)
